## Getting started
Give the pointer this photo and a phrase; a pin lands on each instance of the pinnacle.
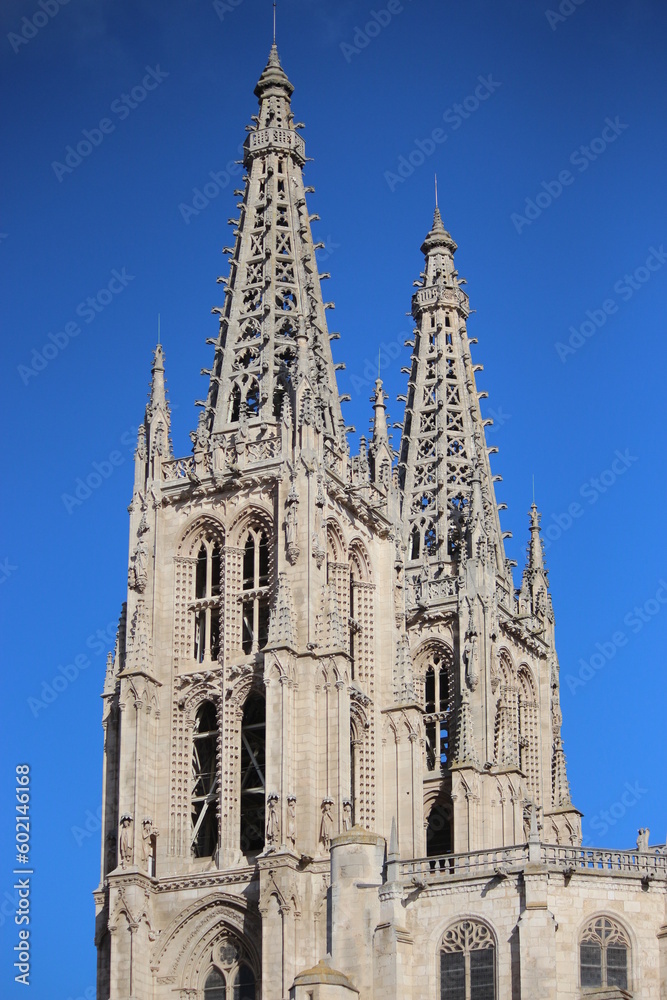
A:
(158, 359)
(273, 76)
(535, 551)
(438, 236)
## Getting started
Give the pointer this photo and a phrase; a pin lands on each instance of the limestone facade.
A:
(333, 764)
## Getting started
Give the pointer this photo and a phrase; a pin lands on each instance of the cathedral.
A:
(333, 766)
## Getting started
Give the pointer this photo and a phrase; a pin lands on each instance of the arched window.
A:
(253, 786)
(604, 952)
(439, 829)
(234, 404)
(256, 597)
(204, 782)
(358, 575)
(215, 986)
(437, 708)
(206, 607)
(468, 962)
(528, 723)
(244, 984)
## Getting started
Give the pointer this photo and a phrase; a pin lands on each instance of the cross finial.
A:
(436, 190)
(274, 22)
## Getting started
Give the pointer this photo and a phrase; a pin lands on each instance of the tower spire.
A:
(443, 450)
(273, 338)
(379, 450)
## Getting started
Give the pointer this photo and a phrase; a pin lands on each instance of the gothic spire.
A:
(535, 551)
(154, 440)
(443, 449)
(534, 594)
(379, 449)
(273, 339)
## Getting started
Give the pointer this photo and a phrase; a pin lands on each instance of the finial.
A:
(274, 22)
(436, 190)
(533, 489)
(379, 364)
(158, 328)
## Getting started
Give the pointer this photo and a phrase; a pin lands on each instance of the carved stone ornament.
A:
(291, 833)
(326, 824)
(292, 525)
(137, 576)
(125, 843)
(272, 821)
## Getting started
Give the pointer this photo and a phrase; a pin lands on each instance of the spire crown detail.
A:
(438, 237)
(273, 77)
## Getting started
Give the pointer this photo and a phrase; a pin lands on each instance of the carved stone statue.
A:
(347, 814)
(146, 845)
(291, 529)
(137, 576)
(326, 826)
(125, 843)
(292, 525)
(272, 821)
(470, 660)
(642, 838)
(291, 821)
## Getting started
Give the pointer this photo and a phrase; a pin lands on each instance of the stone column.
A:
(357, 859)
(537, 938)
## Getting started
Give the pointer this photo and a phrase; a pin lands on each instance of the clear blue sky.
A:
(369, 99)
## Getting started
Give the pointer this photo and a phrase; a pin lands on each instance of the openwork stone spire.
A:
(273, 342)
(443, 444)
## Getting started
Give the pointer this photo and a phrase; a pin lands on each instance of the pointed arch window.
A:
(204, 782)
(358, 576)
(528, 725)
(241, 980)
(437, 709)
(244, 984)
(256, 591)
(439, 829)
(468, 963)
(253, 763)
(206, 607)
(604, 952)
(215, 988)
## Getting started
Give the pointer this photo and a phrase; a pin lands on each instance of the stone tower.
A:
(330, 718)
